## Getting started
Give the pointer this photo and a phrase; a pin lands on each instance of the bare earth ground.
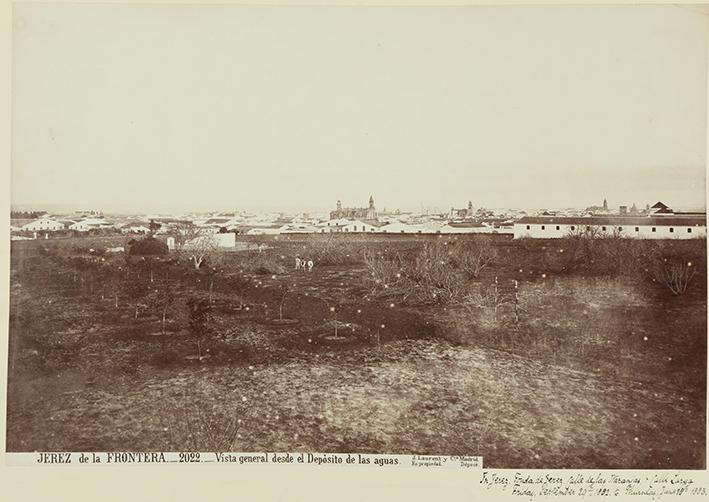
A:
(84, 377)
(436, 398)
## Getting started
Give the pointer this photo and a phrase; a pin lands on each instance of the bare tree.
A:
(432, 275)
(331, 249)
(673, 273)
(162, 300)
(199, 249)
(473, 257)
(283, 291)
(184, 231)
(200, 322)
(383, 271)
(111, 282)
(136, 291)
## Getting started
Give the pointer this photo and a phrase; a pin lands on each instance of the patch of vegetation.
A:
(148, 246)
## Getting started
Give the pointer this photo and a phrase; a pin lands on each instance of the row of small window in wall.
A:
(354, 229)
(605, 229)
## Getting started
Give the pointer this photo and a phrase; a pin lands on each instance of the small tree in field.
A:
(162, 300)
(209, 275)
(674, 273)
(184, 231)
(472, 257)
(170, 269)
(383, 271)
(331, 250)
(110, 282)
(199, 249)
(435, 274)
(136, 290)
(200, 319)
(283, 291)
(153, 264)
(78, 264)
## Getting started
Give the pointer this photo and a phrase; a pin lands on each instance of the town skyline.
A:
(421, 207)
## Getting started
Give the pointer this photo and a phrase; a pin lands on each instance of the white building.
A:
(299, 228)
(221, 241)
(641, 227)
(398, 227)
(43, 224)
(135, 229)
(89, 224)
(465, 228)
(264, 231)
(345, 225)
(215, 224)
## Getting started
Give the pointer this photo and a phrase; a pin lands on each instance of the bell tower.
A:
(371, 213)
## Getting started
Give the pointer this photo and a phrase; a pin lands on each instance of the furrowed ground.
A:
(552, 354)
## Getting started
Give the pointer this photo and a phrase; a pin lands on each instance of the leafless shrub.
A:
(331, 249)
(199, 248)
(432, 276)
(433, 271)
(673, 273)
(183, 232)
(260, 263)
(585, 231)
(612, 253)
(381, 271)
(499, 299)
(472, 257)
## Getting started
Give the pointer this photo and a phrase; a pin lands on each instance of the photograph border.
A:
(231, 482)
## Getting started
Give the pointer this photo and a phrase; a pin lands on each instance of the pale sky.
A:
(193, 107)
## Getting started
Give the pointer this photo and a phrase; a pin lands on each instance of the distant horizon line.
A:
(168, 209)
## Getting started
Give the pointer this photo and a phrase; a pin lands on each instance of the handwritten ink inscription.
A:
(601, 485)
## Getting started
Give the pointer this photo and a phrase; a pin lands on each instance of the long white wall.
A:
(557, 231)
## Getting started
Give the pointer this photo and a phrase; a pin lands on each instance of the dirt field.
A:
(583, 366)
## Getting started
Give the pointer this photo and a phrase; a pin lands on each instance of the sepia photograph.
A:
(417, 230)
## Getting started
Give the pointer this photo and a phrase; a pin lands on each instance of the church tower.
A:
(605, 204)
(339, 205)
(371, 214)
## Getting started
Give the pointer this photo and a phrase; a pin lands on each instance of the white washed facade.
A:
(650, 227)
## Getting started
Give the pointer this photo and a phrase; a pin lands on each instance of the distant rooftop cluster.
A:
(365, 219)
